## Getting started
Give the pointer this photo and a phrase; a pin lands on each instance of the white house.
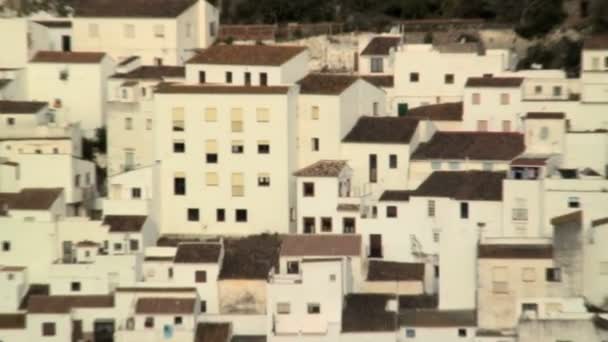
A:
(159, 32)
(60, 78)
(376, 54)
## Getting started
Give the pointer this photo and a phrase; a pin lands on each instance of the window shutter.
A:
(210, 114)
(212, 178)
(211, 146)
(263, 114)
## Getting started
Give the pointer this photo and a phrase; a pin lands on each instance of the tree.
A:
(538, 17)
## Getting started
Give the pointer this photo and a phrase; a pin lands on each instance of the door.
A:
(373, 168)
(103, 330)
(375, 246)
(129, 160)
(68, 255)
(76, 330)
(202, 77)
(402, 109)
(66, 43)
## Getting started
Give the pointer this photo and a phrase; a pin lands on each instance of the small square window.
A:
(179, 147)
(574, 202)
(118, 246)
(553, 275)
(48, 329)
(315, 144)
(410, 333)
(436, 165)
(314, 308)
(220, 215)
(178, 320)
(10, 121)
(75, 286)
(332, 278)
(149, 322)
(136, 193)
(414, 77)
(538, 90)
(10, 276)
(240, 215)
(200, 276)
(203, 306)
(211, 158)
(283, 308)
(309, 189)
(326, 224)
(193, 214)
(133, 245)
(449, 79)
(293, 267)
(462, 332)
(392, 161)
(263, 148)
(264, 180)
(237, 147)
(391, 211)
(6, 246)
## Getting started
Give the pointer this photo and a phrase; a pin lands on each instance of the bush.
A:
(539, 17)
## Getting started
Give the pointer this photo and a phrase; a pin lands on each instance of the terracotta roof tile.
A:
(575, 217)
(198, 253)
(155, 289)
(495, 82)
(165, 305)
(348, 207)
(471, 145)
(530, 161)
(395, 271)
(463, 185)
(154, 72)
(382, 81)
(322, 168)
(131, 8)
(125, 223)
(545, 116)
(326, 84)
(12, 321)
(321, 245)
(63, 304)
(424, 301)
(597, 42)
(380, 46)
(266, 55)
(451, 111)
(166, 88)
(21, 107)
(508, 251)
(438, 318)
(367, 313)
(382, 130)
(599, 222)
(212, 332)
(68, 57)
(395, 195)
(55, 23)
(250, 257)
(33, 198)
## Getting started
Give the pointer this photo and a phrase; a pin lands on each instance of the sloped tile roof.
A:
(395, 271)
(265, 55)
(212, 332)
(495, 82)
(379, 130)
(380, 46)
(250, 257)
(367, 313)
(39, 304)
(463, 185)
(450, 111)
(154, 72)
(198, 253)
(512, 251)
(125, 223)
(322, 168)
(21, 107)
(165, 305)
(321, 245)
(31, 198)
(438, 318)
(395, 195)
(68, 57)
(166, 88)
(131, 8)
(471, 145)
(326, 84)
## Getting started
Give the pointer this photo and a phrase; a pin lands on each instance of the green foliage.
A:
(538, 17)
(564, 54)
(599, 16)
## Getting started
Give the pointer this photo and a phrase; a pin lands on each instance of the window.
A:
(238, 188)
(93, 31)
(200, 276)
(136, 193)
(212, 179)
(309, 225)
(391, 211)
(487, 166)
(203, 306)
(314, 113)
(263, 79)
(528, 274)
(158, 61)
(263, 179)
(520, 214)
(373, 168)
(326, 224)
(606, 62)
(75, 286)
(544, 133)
(179, 146)
(557, 91)
(603, 267)
(454, 165)
(10, 121)
(148, 124)
(314, 144)
(240, 215)
(188, 30)
(410, 333)
(308, 189)
(212, 29)
(262, 114)
(144, 91)
(283, 308)
(55, 150)
(128, 124)
(402, 109)
(392, 161)
(436, 165)
(462, 332)
(202, 77)
(553, 275)
(210, 114)
(476, 99)
(449, 79)
(220, 215)
(149, 322)
(179, 186)
(505, 99)
(177, 320)
(499, 280)
(118, 246)
(133, 245)
(263, 147)
(129, 30)
(178, 119)
(247, 78)
(314, 308)
(430, 208)
(436, 237)
(211, 152)
(414, 77)
(193, 214)
(228, 77)
(538, 89)
(48, 329)
(464, 210)
(506, 125)
(574, 202)
(236, 120)
(377, 64)
(332, 278)
(159, 31)
(237, 147)
(293, 267)
(77, 180)
(482, 125)
(348, 225)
